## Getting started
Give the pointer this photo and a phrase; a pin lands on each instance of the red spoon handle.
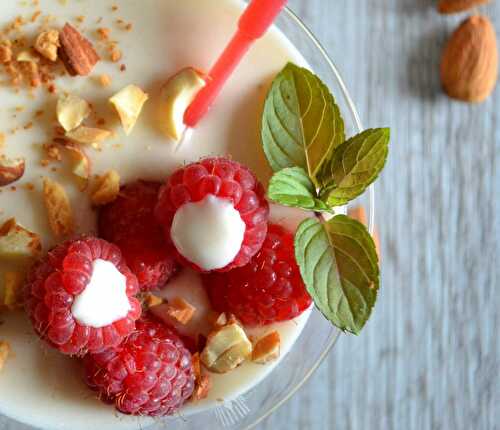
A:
(257, 18)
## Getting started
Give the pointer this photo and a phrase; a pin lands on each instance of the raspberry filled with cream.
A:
(80, 297)
(215, 214)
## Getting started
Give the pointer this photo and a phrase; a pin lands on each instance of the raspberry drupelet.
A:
(56, 284)
(129, 222)
(218, 183)
(268, 289)
(151, 373)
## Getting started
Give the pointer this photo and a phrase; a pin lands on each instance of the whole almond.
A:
(469, 66)
(454, 6)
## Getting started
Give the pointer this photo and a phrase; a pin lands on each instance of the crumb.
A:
(29, 125)
(105, 80)
(13, 188)
(129, 27)
(39, 113)
(4, 352)
(123, 68)
(52, 89)
(35, 16)
(52, 151)
(29, 186)
(99, 20)
(103, 33)
(114, 8)
(80, 19)
(5, 54)
(115, 55)
(54, 169)
(44, 162)
(20, 108)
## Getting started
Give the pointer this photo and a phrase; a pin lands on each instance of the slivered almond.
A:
(88, 135)
(58, 208)
(106, 188)
(180, 310)
(267, 348)
(128, 102)
(71, 111)
(4, 353)
(76, 52)
(16, 242)
(13, 282)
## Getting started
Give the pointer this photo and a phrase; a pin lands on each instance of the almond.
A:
(150, 300)
(4, 353)
(71, 111)
(58, 208)
(13, 282)
(16, 242)
(267, 348)
(201, 388)
(76, 52)
(469, 66)
(11, 170)
(106, 188)
(454, 6)
(47, 44)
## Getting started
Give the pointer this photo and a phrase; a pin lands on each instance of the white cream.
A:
(104, 300)
(209, 232)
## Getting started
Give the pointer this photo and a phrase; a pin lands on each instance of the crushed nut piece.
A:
(27, 57)
(16, 242)
(88, 135)
(13, 282)
(105, 80)
(47, 44)
(72, 111)
(115, 55)
(58, 208)
(180, 310)
(129, 103)
(226, 348)
(81, 164)
(11, 170)
(4, 353)
(106, 189)
(103, 33)
(76, 52)
(5, 54)
(151, 300)
(267, 348)
(202, 388)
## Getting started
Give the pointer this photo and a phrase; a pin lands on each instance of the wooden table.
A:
(429, 358)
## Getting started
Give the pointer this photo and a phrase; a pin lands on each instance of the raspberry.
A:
(150, 373)
(268, 289)
(54, 283)
(129, 222)
(224, 179)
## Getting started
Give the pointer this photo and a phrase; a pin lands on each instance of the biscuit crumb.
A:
(4, 352)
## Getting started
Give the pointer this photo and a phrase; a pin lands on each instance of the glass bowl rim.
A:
(371, 195)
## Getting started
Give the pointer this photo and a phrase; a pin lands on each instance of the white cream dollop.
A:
(209, 232)
(104, 300)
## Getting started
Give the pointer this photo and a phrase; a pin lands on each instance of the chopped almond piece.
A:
(11, 170)
(12, 290)
(47, 44)
(128, 103)
(196, 365)
(115, 55)
(76, 52)
(103, 33)
(5, 54)
(81, 164)
(226, 348)
(202, 388)
(105, 80)
(151, 300)
(106, 189)
(267, 348)
(58, 208)
(72, 111)
(180, 310)
(88, 135)
(27, 57)
(4, 353)
(16, 242)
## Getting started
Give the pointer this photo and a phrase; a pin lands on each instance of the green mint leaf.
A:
(301, 123)
(292, 187)
(339, 265)
(354, 165)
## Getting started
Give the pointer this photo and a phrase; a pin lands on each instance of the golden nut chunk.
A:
(71, 111)
(106, 188)
(58, 208)
(88, 135)
(129, 103)
(267, 348)
(47, 44)
(11, 170)
(151, 300)
(227, 347)
(16, 242)
(13, 283)
(80, 165)
(4, 353)
(180, 310)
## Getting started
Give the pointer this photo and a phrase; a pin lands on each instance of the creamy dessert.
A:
(159, 271)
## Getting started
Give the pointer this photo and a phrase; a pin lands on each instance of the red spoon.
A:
(257, 18)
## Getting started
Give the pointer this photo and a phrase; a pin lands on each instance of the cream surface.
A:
(104, 300)
(39, 386)
(208, 233)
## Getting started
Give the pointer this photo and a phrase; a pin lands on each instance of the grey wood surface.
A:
(429, 357)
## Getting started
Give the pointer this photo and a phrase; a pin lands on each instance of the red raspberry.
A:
(55, 281)
(129, 222)
(225, 179)
(150, 373)
(268, 289)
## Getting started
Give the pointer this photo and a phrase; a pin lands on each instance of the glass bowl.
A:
(318, 336)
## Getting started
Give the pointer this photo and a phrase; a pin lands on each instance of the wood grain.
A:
(429, 358)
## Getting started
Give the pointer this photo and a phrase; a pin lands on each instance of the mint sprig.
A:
(301, 124)
(316, 169)
(293, 187)
(339, 266)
